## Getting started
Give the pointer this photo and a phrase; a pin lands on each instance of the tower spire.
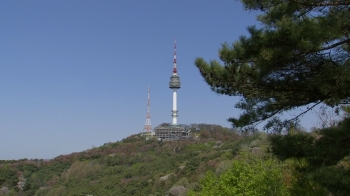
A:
(174, 70)
(148, 126)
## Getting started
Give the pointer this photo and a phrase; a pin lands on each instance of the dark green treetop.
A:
(298, 57)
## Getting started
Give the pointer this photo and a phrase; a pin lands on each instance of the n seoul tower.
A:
(174, 84)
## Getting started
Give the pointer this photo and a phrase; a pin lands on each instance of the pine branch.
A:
(321, 4)
(333, 45)
(304, 112)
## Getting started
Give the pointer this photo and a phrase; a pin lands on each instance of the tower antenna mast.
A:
(148, 126)
(174, 63)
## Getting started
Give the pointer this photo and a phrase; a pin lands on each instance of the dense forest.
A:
(218, 161)
(137, 165)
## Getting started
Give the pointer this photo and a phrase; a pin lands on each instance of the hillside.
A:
(133, 166)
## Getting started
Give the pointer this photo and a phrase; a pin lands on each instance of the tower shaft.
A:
(148, 126)
(174, 111)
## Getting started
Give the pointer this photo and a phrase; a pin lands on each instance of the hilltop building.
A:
(178, 132)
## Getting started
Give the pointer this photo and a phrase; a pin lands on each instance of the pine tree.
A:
(299, 57)
(322, 158)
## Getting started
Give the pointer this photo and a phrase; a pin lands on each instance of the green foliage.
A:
(248, 175)
(8, 176)
(299, 56)
(82, 170)
(133, 166)
(28, 169)
(322, 157)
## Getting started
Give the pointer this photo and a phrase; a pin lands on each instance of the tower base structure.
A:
(173, 132)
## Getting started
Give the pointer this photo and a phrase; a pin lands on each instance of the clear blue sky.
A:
(74, 74)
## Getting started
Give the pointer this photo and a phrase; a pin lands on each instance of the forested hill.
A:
(133, 166)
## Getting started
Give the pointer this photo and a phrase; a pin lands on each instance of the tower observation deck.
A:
(175, 82)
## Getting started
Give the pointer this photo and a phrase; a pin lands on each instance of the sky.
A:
(74, 74)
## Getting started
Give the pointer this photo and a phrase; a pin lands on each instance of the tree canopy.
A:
(299, 56)
(322, 157)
